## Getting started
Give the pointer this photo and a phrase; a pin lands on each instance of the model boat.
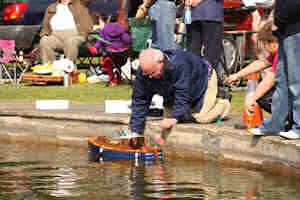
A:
(124, 149)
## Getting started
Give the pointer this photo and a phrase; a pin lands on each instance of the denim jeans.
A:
(163, 15)
(286, 97)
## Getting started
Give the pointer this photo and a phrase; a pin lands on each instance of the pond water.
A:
(55, 172)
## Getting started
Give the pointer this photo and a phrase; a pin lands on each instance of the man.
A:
(66, 26)
(206, 30)
(286, 98)
(186, 82)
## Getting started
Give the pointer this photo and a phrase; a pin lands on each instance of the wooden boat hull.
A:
(102, 147)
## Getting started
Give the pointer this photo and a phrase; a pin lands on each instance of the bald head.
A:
(151, 62)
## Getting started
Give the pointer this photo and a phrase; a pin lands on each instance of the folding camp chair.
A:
(12, 67)
(141, 33)
(7, 58)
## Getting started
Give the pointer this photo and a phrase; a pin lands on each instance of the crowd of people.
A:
(189, 80)
(164, 75)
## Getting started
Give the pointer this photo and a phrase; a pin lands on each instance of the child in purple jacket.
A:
(116, 36)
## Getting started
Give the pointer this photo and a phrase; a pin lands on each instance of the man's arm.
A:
(143, 9)
(141, 100)
(181, 97)
(182, 86)
(45, 31)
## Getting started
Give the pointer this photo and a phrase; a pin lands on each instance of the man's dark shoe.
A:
(155, 112)
(187, 118)
(223, 94)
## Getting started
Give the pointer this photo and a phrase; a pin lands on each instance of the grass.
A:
(79, 93)
(83, 93)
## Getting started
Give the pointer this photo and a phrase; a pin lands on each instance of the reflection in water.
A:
(51, 172)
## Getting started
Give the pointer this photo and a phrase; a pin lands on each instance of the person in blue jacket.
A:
(187, 84)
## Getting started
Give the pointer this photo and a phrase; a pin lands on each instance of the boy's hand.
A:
(232, 79)
(249, 106)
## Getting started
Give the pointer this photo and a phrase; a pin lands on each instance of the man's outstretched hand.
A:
(168, 123)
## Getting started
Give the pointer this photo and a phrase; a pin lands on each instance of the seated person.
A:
(66, 26)
(116, 36)
(187, 84)
(265, 89)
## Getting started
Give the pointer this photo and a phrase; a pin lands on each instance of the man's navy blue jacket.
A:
(182, 85)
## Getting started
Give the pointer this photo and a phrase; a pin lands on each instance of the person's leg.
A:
(212, 107)
(291, 45)
(163, 12)
(213, 35)
(279, 107)
(194, 38)
(48, 45)
(72, 42)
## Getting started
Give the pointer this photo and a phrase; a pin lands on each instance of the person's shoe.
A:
(257, 132)
(290, 135)
(187, 118)
(155, 112)
(223, 94)
(240, 126)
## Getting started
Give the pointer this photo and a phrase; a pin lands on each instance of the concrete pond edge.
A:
(223, 145)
